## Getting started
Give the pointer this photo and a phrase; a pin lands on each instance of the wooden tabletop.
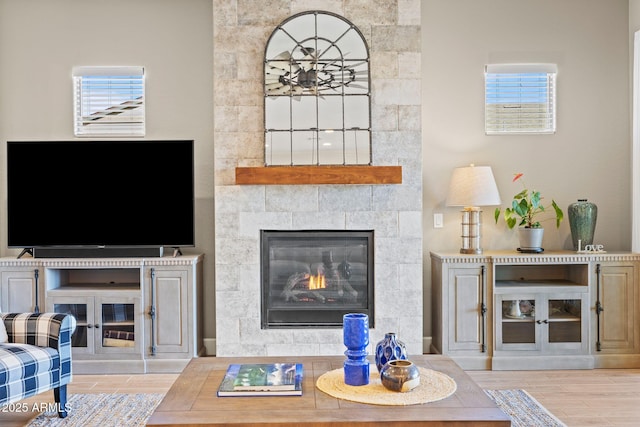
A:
(192, 400)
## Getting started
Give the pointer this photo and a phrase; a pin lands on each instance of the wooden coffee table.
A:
(192, 400)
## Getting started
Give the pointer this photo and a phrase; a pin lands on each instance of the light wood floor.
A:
(599, 397)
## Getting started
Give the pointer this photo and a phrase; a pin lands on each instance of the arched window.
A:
(316, 92)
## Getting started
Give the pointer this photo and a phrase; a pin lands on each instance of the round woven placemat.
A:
(433, 386)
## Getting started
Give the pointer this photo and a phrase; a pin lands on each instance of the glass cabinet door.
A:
(104, 324)
(549, 322)
(566, 323)
(118, 325)
(516, 323)
(81, 308)
(118, 317)
(564, 320)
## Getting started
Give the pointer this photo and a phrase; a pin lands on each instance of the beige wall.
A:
(41, 40)
(588, 157)
(634, 26)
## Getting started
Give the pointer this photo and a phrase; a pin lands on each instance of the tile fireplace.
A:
(311, 278)
(392, 211)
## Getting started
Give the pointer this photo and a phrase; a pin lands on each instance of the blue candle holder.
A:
(355, 327)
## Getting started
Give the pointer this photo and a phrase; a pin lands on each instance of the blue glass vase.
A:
(388, 349)
(355, 329)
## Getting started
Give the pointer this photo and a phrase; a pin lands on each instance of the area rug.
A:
(103, 410)
(133, 410)
(524, 410)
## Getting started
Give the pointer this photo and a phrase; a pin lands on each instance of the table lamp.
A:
(472, 187)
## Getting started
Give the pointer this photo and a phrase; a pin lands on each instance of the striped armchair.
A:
(37, 356)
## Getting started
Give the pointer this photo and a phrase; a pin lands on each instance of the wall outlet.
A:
(438, 220)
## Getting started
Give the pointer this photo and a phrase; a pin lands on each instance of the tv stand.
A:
(26, 251)
(98, 252)
(134, 315)
(177, 252)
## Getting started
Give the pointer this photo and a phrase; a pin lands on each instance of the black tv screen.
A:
(100, 194)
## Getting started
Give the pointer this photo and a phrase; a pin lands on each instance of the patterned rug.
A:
(133, 410)
(524, 410)
(102, 410)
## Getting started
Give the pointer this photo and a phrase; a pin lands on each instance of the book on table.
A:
(262, 379)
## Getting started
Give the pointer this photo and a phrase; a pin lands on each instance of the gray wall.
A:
(590, 154)
(40, 42)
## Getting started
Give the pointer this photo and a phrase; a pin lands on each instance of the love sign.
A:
(590, 248)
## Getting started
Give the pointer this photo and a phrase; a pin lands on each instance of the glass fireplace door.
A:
(313, 278)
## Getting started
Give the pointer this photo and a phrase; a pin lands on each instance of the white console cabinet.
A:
(134, 315)
(557, 310)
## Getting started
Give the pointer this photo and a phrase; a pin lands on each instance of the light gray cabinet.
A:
(168, 296)
(556, 310)
(616, 314)
(106, 325)
(21, 289)
(134, 315)
(543, 327)
(459, 311)
(171, 299)
(542, 313)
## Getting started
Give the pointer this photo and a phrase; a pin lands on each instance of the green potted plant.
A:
(525, 211)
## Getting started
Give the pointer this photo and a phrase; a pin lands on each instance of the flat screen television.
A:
(100, 198)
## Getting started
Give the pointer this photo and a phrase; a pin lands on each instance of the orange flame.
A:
(317, 282)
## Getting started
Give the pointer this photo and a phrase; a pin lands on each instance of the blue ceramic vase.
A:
(389, 348)
(355, 329)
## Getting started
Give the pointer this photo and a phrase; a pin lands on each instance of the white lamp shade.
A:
(473, 186)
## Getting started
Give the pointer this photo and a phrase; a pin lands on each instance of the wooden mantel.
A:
(309, 175)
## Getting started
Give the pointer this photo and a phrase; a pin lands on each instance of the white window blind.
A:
(520, 98)
(109, 101)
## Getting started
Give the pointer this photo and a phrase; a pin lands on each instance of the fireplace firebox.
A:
(312, 278)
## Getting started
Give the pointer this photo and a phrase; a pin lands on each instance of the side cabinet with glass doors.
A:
(541, 310)
(104, 324)
(107, 306)
(553, 310)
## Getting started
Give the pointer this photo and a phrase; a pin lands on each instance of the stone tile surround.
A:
(394, 212)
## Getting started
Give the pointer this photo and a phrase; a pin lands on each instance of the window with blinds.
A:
(520, 98)
(109, 101)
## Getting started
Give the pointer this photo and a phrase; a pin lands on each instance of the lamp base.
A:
(471, 251)
(471, 226)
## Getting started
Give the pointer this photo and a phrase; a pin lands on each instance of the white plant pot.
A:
(531, 238)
